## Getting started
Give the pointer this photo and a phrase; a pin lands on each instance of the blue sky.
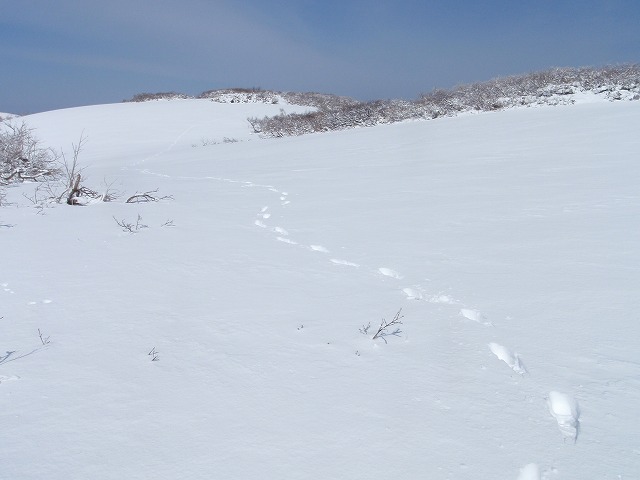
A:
(62, 53)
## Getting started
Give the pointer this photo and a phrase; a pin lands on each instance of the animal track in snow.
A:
(564, 408)
(475, 316)
(265, 215)
(530, 472)
(440, 298)
(286, 240)
(416, 293)
(260, 224)
(264, 209)
(7, 378)
(45, 301)
(387, 272)
(5, 287)
(319, 248)
(283, 198)
(337, 261)
(281, 231)
(412, 293)
(508, 357)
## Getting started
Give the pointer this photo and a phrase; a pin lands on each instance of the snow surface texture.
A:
(509, 229)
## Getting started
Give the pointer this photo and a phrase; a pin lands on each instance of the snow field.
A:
(496, 229)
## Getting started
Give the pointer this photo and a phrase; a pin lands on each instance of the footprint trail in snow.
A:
(564, 408)
(508, 357)
(475, 316)
(338, 261)
(387, 272)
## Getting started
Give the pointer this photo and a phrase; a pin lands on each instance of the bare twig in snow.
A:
(43, 339)
(147, 197)
(385, 326)
(154, 355)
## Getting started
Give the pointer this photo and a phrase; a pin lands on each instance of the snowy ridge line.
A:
(559, 86)
(323, 101)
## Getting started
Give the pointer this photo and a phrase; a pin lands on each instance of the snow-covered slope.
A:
(509, 240)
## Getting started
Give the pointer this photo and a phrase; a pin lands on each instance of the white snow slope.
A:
(510, 240)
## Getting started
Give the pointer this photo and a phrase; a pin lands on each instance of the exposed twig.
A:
(130, 227)
(43, 339)
(154, 355)
(139, 223)
(125, 226)
(110, 194)
(147, 197)
(383, 329)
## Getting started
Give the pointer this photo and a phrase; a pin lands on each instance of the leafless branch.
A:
(365, 330)
(139, 223)
(125, 226)
(154, 355)
(384, 328)
(43, 339)
(147, 197)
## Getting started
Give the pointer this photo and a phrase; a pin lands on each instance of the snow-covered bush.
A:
(554, 86)
(148, 97)
(22, 157)
(550, 87)
(241, 95)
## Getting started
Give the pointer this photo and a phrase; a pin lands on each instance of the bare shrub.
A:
(148, 97)
(74, 193)
(70, 188)
(131, 227)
